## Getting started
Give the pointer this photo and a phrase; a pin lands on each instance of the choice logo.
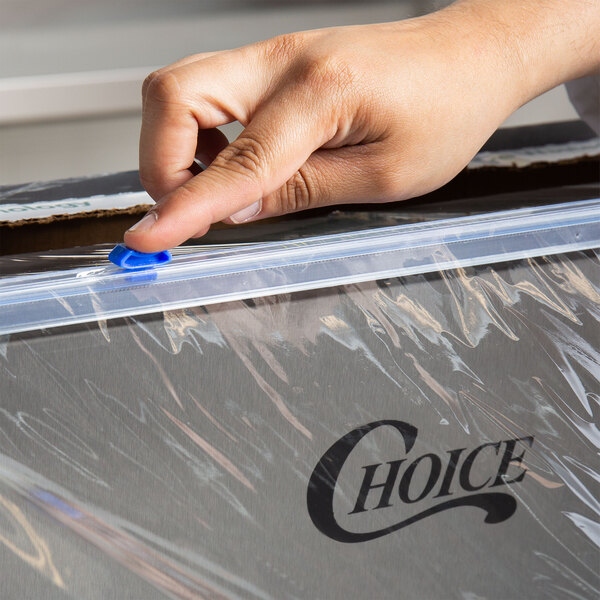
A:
(444, 482)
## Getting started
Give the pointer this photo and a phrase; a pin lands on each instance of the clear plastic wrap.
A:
(208, 276)
(432, 436)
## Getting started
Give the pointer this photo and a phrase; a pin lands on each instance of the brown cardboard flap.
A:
(108, 226)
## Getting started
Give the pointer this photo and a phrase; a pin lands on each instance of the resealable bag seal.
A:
(79, 295)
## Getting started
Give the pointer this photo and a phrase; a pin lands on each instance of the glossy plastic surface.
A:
(78, 295)
(126, 258)
(180, 455)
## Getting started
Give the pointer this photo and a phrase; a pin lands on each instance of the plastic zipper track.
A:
(80, 295)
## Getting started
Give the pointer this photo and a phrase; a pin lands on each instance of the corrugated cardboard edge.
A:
(142, 208)
(99, 214)
(108, 225)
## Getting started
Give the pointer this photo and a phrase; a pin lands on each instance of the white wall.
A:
(70, 71)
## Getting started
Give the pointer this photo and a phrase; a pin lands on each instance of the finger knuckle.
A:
(246, 156)
(148, 81)
(283, 48)
(298, 193)
(161, 87)
(149, 182)
(329, 72)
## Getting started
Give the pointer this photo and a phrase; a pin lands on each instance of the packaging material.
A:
(66, 213)
(429, 436)
(207, 276)
(389, 405)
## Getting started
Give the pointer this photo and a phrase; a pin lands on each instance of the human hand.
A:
(354, 114)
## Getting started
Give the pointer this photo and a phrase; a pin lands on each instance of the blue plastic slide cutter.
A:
(126, 258)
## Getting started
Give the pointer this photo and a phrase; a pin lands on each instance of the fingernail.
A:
(247, 213)
(145, 223)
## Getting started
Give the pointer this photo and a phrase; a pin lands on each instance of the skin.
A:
(370, 113)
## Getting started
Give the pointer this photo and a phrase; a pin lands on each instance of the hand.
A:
(354, 114)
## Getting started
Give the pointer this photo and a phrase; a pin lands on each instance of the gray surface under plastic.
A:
(233, 451)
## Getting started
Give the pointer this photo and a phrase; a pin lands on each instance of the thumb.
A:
(276, 143)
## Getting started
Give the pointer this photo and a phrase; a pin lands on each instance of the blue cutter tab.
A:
(126, 258)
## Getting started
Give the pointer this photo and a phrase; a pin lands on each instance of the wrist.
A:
(534, 45)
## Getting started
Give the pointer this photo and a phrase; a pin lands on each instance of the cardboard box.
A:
(82, 212)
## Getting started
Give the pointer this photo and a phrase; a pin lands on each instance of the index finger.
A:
(181, 101)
